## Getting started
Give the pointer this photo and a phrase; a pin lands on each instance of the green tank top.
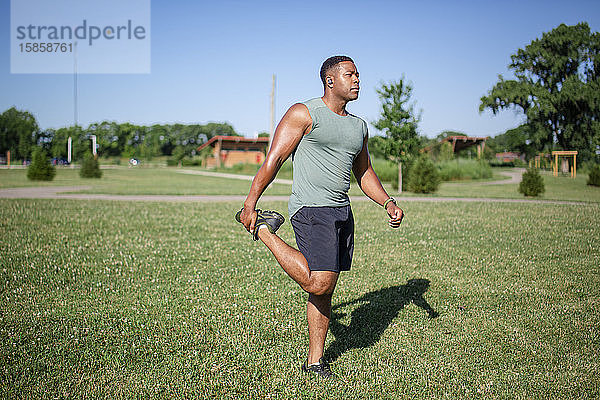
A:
(323, 159)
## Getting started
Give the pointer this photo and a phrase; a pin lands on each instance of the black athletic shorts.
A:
(325, 236)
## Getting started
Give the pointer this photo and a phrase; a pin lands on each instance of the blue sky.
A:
(213, 61)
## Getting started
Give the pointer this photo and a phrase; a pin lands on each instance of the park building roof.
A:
(236, 142)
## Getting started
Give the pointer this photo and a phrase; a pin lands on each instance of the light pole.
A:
(93, 137)
(69, 149)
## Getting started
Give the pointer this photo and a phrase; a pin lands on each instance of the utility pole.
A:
(272, 127)
(70, 141)
(75, 85)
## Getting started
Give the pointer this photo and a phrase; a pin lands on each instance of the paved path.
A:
(515, 177)
(58, 192)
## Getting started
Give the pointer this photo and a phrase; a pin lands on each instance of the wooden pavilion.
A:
(461, 142)
(230, 150)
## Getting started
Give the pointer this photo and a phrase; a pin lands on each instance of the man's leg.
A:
(295, 265)
(318, 311)
(318, 284)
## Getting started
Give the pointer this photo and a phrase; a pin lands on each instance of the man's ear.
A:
(329, 81)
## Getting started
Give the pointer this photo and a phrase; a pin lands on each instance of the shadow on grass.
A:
(374, 314)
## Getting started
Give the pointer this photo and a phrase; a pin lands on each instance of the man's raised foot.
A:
(271, 219)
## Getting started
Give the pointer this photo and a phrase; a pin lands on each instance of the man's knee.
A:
(321, 289)
(322, 283)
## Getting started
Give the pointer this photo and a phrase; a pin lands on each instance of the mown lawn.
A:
(140, 181)
(162, 300)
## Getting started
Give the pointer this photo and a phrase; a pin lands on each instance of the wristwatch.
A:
(390, 200)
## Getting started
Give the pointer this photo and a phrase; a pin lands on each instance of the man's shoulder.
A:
(299, 110)
(298, 114)
(313, 104)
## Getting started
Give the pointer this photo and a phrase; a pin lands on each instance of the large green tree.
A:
(398, 120)
(557, 87)
(18, 133)
(516, 140)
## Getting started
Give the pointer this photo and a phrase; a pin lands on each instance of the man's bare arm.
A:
(294, 124)
(371, 185)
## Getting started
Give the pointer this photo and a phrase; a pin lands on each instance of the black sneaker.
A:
(322, 369)
(271, 219)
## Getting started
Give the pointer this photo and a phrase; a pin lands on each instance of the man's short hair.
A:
(330, 63)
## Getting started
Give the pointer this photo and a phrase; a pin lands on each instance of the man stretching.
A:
(327, 144)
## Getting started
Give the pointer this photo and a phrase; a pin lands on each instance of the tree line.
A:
(20, 134)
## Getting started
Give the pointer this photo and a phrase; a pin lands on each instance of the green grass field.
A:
(163, 300)
(140, 181)
(168, 181)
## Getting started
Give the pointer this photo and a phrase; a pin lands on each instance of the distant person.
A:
(327, 144)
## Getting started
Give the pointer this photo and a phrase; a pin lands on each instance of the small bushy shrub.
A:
(191, 162)
(90, 167)
(532, 183)
(40, 168)
(464, 170)
(424, 176)
(594, 175)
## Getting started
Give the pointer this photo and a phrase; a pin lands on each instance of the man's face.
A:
(345, 80)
